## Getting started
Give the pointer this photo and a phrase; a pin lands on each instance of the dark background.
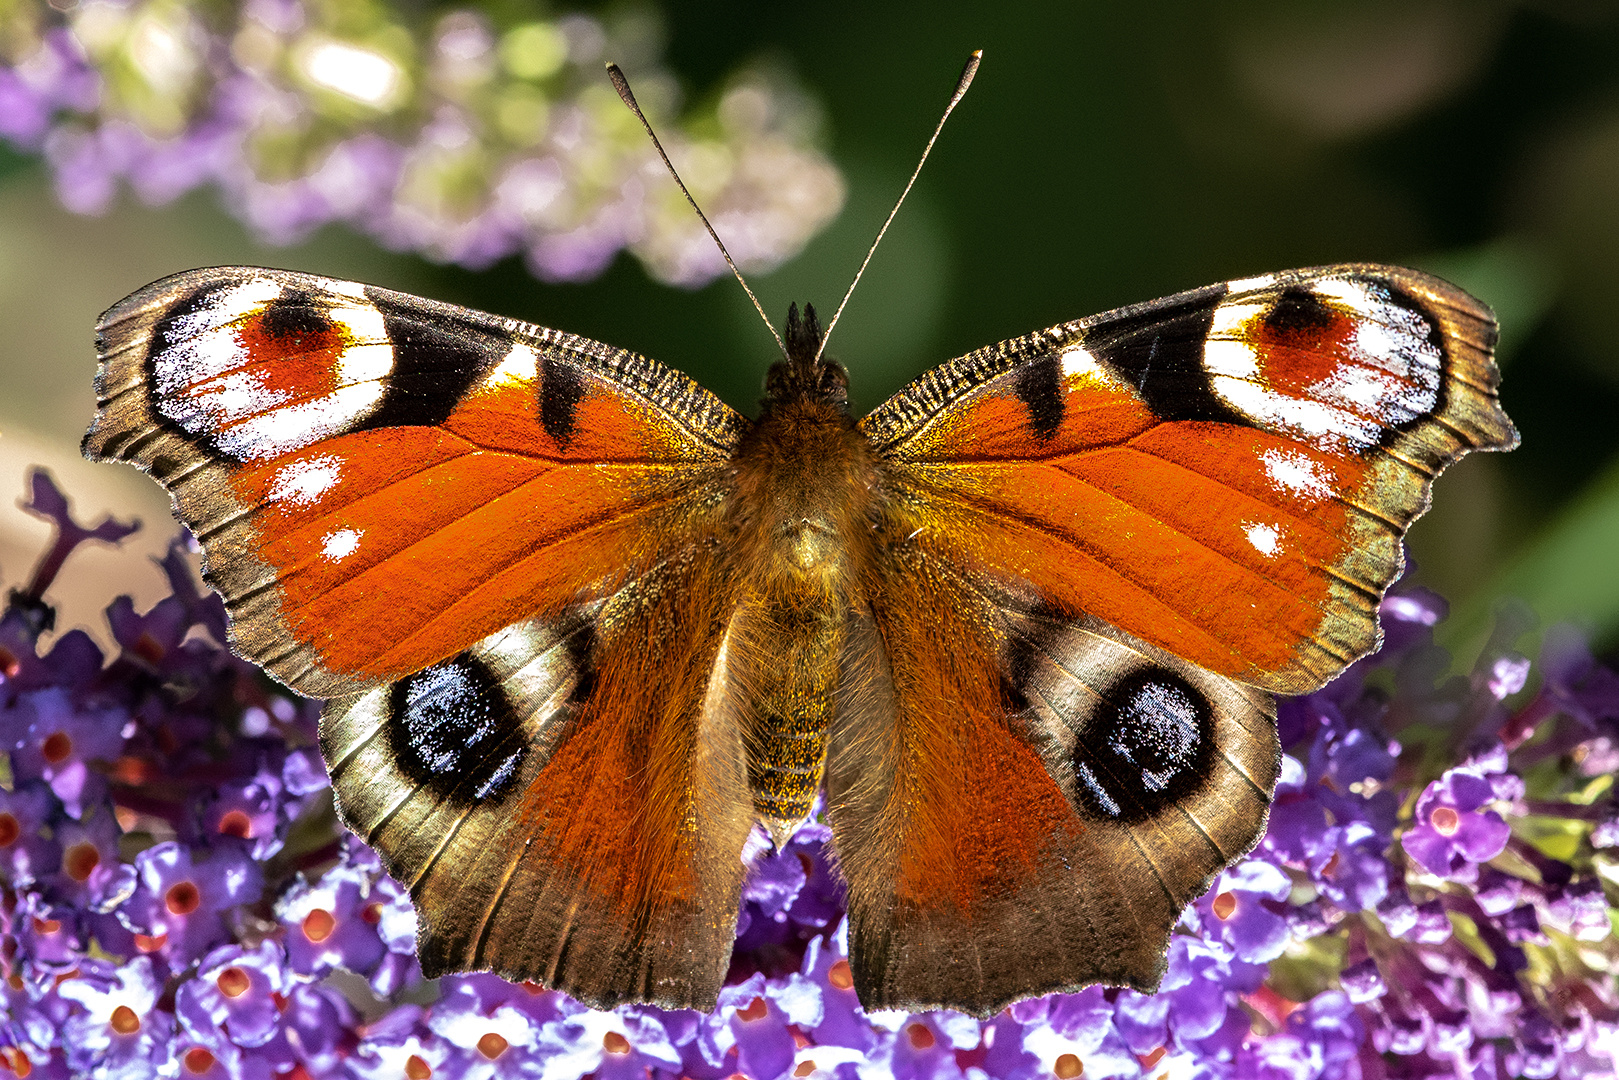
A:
(1108, 153)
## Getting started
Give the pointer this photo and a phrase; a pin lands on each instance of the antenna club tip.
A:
(621, 84)
(967, 74)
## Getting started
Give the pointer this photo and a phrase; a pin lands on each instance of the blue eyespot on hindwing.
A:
(1147, 746)
(452, 727)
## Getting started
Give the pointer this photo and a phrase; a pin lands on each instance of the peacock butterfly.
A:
(582, 627)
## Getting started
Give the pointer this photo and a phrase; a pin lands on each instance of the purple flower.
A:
(51, 936)
(459, 159)
(400, 1045)
(924, 1046)
(25, 114)
(789, 895)
(1321, 1039)
(1236, 912)
(1362, 982)
(236, 988)
(119, 1031)
(496, 1043)
(1576, 682)
(25, 854)
(249, 809)
(317, 1029)
(1200, 983)
(1070, 1035)
(182, 902)
(620, 1045)
(1454, 830)
(207, 1051)
(752, 1021)
(58, 743)
(842, 1023)
(332, 923)
(90, 873)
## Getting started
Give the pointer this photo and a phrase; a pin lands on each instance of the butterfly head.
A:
(805, 374)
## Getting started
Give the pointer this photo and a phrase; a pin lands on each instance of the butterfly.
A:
(582, 627)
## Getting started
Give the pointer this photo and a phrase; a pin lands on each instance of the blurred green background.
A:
(1108, 153)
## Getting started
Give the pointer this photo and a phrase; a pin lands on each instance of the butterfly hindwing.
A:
(1000, 777)
(564, 800)
(1226, 473)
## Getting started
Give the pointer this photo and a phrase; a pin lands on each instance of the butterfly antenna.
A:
(622, 85)
(965, 81)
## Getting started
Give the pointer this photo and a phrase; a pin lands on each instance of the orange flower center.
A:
(79, 860)
(614, 1043)
(10, 829)
(236, 823)
(1068, 1066)
(841, 976)
(233, 982)
(182, 898)
(198, 1059)
(124, 1021)
(57, 747)
(1224, 905)
(147, 648)
(1446, 821)
(318, 925)
(921, 1038)
(417, 1069)
(492, 1045)
(756, 1010)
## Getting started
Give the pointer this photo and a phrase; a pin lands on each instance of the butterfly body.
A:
(583, 627)
(801, 511)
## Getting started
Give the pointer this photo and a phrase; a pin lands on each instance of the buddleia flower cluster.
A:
(465, 139)
(1434, 896)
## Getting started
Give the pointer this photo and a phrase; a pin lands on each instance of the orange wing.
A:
(1094, 537)
(490, 545)
(566, 800)
(1225, 473)
(1023, 803)
(379, 481)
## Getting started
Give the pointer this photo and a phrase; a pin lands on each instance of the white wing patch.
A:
(1266, 539)
(521, 366)
(1298, 473)
(255, 406)
(340, 544)
(300, 483)
(1387, 372)
(1077, 363)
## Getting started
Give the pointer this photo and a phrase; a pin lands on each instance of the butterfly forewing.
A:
(380, 481)
(1226, 473)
